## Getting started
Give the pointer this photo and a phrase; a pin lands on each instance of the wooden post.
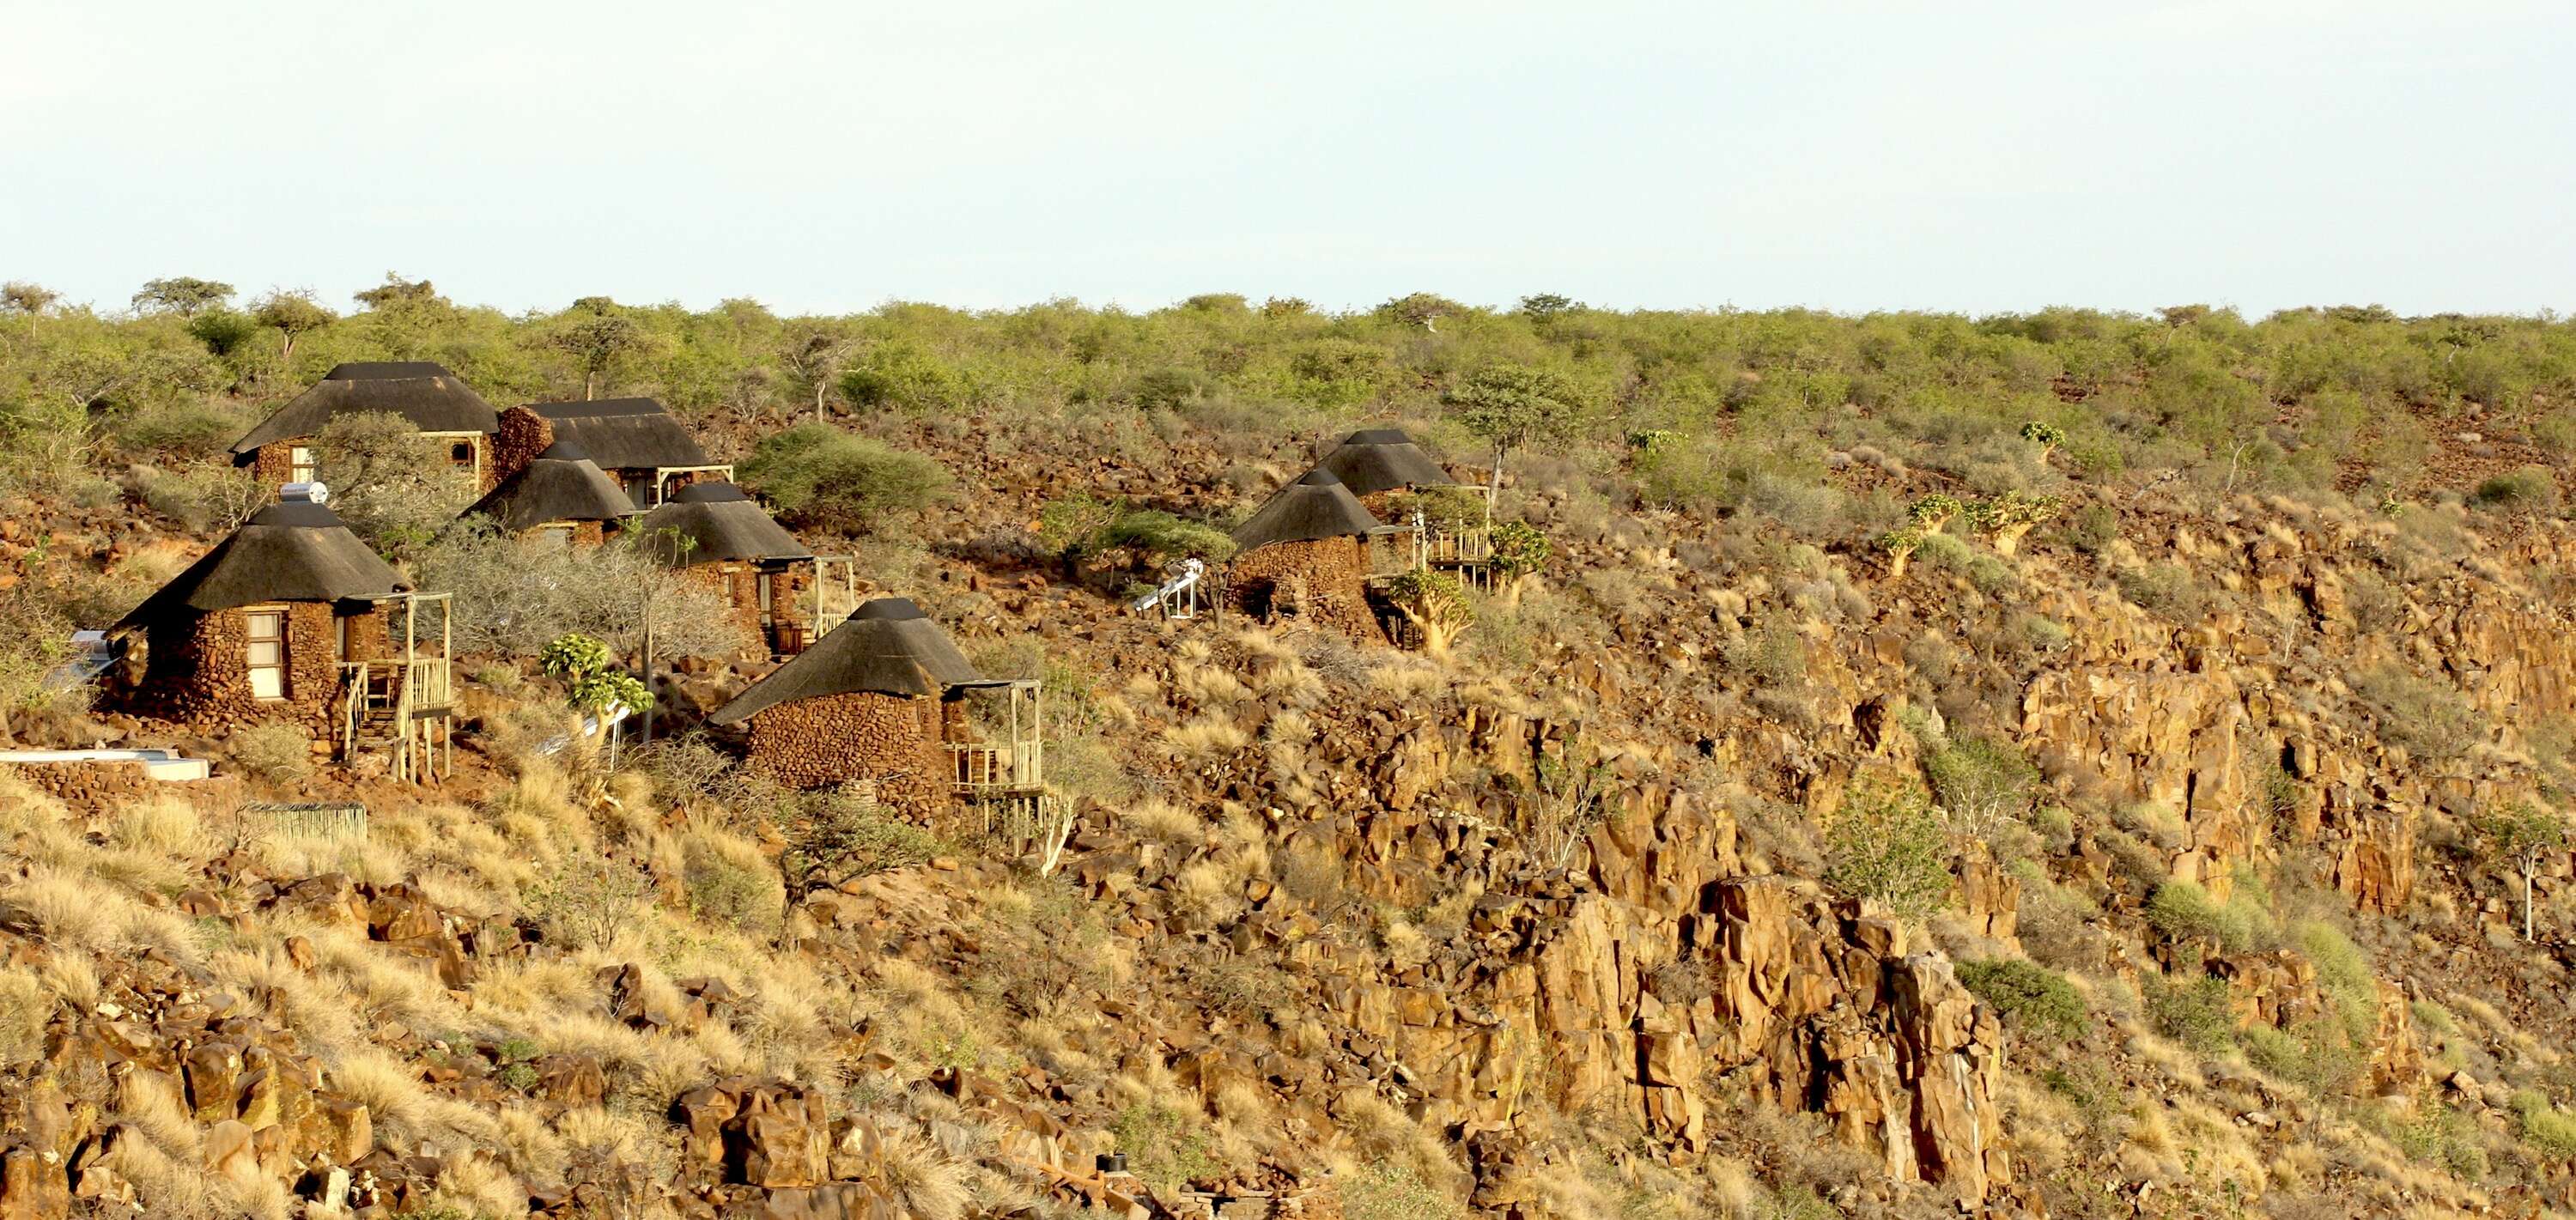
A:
(647, 737)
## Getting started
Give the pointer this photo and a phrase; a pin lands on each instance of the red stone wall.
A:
(273, 464)
(812, 743)
(1336, 579)
(523, 435)
(194, 672)
(789, 592)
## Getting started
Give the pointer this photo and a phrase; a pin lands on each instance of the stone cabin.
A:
(261, 627)
(281, 450)
(1383, 465)
(882, 699)
(638, 443)
(718, 534)
(1374, 461)
(560, 493)
(1306, 553)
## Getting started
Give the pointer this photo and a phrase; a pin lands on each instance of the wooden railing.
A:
(983, 766)
(406, 692)
(1464, 544)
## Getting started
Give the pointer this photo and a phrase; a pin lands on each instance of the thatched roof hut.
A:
(288, 552)
(1382, 459)
(561, 484)
(719, 524)
(887, 647)
(1314, 507)
(624, 433)
(421, 391)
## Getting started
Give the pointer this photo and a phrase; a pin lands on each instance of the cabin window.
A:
(300, 467)
(767, 594)
(461, 454)
(554, 535)
(264, 653)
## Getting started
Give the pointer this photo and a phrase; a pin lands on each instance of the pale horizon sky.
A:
(828, 157)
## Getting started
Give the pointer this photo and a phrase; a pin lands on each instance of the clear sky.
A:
(831, 156)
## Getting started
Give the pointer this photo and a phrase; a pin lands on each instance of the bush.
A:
(1888, 844)
(2183, 910)
(2165, 588)
(514, 595)
(2343, 974)
(1162, 536)
(730, 891)
(2432, 720)
(834, 838)
(389, 484)
(830, 479)
(2033, 997)
(276, 750)
(2549, 1131)
(1164, 1146)
(905, 376)
(2531, 489)
(2193, 1013)
(1386, 1191)
(587, 899)
(1982, 784)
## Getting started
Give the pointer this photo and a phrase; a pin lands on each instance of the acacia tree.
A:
(2521, 836)
(184, 295)
(30, 299)
(814, 353)
(291, 315)
(1435, 603)
(596, 339)
(1515, 406)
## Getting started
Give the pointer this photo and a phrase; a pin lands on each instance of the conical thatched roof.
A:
(1379, 459)
(888, 646)
(433, 399)
(561, 484)
(722, 522)
(1316, 506)
(297, 552)
(624, 433)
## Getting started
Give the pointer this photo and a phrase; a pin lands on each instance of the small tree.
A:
(1078, 527)
(22, 297)
(2007, 517)
(1423, 309)
(1514, 406)
(1933, 512)
(825, 477)
(184, 295)
(814, 354)
(1546, 307)
(597, 339)
(392, 485)
(292, 315)
(1887, 843)
(1900, 546)
(1520, 550)
(2047, 436)
(1436, 604)
(2521, 836)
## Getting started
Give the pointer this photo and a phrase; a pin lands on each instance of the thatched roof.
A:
(433, 399)
(561, 484)
(296, 552)
(624, 433)
(1379, 459)
(1316, 506)
(888, 646)
(725, 524)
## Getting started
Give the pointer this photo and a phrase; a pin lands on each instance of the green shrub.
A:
(2193, 1013)
(830, 479)
(2548, 1130)
(905, 376)
(2343, 975)
(2183, 910)
(1981, 783)
(2531, 489)
(1165, 1146)
(730, 893)
(2165, 588)
(1888, 844)
(836, 837)
(1163, 537)
(2032, 997)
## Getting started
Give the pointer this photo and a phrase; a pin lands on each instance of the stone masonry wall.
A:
(522, 436)
(892, 740)
(195, 673)
(1335, 574)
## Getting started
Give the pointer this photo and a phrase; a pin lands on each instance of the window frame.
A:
(252, 666)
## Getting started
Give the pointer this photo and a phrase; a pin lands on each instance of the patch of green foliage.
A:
(2034, 998)
(823, 477)
(1888, 844)
(2194, 1013)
